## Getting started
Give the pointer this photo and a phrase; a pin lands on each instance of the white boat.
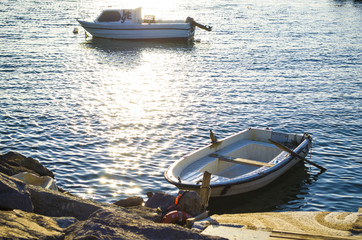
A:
(129, 24)
(241, 163)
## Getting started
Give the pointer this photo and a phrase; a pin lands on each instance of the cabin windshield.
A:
(110, 16)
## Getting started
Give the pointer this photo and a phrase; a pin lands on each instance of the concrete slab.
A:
(235, 233)
(278, 225)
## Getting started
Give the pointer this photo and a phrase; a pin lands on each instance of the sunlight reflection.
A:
(133, 190)
(90, 191)
(126, 103)
(111, 170)
(117, 193)
(103, 180)
(154, 173)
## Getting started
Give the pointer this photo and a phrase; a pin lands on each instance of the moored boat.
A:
(243, 162)
(129, 24)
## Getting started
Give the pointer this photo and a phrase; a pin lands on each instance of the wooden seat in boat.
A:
(241, 160)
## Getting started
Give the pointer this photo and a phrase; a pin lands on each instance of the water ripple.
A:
(108, 117)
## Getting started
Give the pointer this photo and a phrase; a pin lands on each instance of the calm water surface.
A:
(108, 117)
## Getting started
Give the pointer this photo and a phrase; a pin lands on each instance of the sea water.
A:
(108, 117)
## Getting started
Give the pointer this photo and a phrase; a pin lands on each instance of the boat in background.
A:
(243, 162)
(129, 24)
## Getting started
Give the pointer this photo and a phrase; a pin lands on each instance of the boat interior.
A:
(121, 15)
(239, 158)
(131, 16)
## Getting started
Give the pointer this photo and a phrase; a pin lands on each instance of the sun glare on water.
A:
(128, 102)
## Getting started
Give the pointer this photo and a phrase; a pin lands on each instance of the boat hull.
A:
(139, 31)
(225, 184)
(225, 190)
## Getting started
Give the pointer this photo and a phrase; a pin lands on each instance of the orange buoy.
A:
(176, 217)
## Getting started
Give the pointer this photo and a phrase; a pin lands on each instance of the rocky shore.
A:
(32, 212)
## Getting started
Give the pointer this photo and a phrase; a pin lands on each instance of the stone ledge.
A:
(315, 225)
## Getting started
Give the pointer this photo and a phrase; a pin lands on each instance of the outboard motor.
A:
(194, 23)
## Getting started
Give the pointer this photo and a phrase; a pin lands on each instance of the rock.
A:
(14, 195)
(191, 203)
(149, 194)
(115, 223)
(152, 214)
(12, 163)
(55, 204)
(61, 216)
(160, 200)
(357, 226)
(64, 222)
(18, 224)
(130, 202)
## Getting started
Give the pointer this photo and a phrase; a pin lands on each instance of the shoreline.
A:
(51, 214)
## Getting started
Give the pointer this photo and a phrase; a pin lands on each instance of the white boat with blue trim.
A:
(129, 24)
(243, 162)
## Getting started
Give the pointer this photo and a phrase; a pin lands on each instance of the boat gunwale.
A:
(135, 26)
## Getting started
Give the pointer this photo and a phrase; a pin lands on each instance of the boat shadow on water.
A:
(115, 45)
(287, 192)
